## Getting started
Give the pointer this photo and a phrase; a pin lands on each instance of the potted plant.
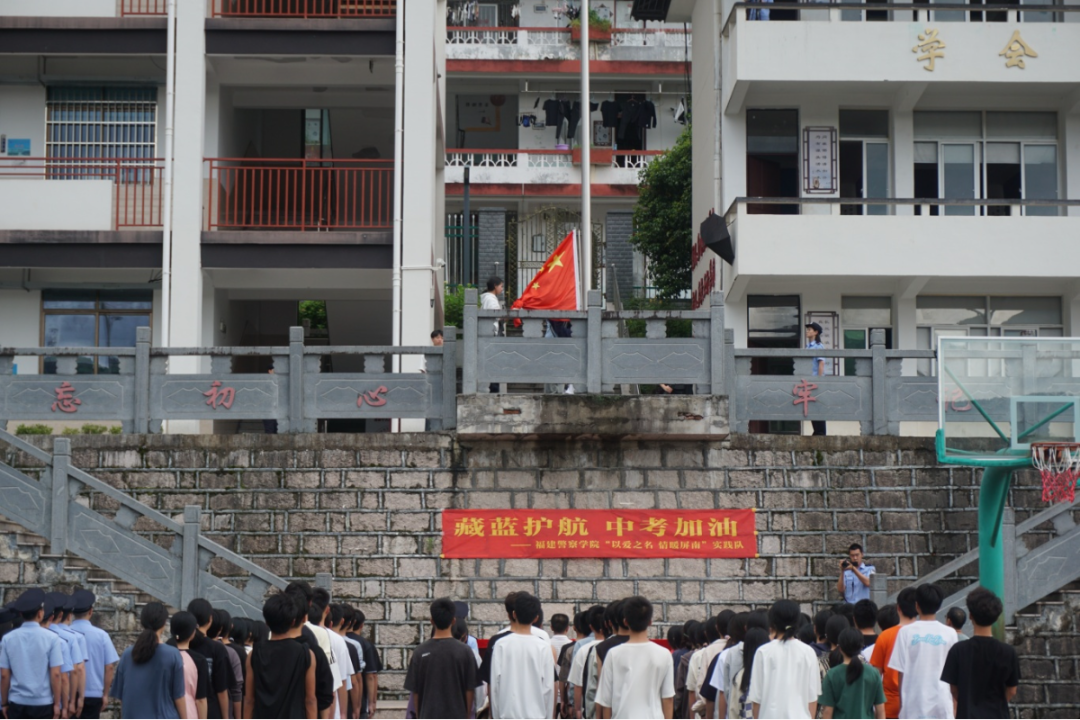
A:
(599, 29)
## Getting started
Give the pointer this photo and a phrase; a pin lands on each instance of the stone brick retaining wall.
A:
(366, 508)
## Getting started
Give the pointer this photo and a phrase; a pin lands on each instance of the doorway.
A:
(772, 159)
(773, 321)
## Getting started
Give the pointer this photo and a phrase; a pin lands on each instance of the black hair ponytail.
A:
(851, 644)
(153, 619)
(783, 618)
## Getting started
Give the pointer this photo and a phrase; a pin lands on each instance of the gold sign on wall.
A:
(1016, 50)
(930, 46)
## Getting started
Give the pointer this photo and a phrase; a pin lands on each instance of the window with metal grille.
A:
(90, 130)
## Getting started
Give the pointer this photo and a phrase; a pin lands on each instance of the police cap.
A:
(83, 601)
(7, 615)
(30, 601)
(59, 601)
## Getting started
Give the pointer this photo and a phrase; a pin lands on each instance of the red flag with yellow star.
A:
(555, 286)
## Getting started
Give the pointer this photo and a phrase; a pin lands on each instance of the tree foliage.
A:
(663, 219)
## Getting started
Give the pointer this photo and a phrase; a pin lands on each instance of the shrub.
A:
(38, 429)
(94, 429)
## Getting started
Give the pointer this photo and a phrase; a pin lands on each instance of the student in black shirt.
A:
(618, 633)
(302, 595)
(983, 672)
(282, 669)
(217, 660)
(372, 665)
(442, 672)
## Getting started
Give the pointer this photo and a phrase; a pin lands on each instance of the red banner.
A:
(599, 534)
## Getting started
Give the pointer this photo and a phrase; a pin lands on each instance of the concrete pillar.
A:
(491, 244)
(620, 255)
(1069, 156)
(422, 218)
(186, 316)
(187, 296)
(705, 55)
(903, 158)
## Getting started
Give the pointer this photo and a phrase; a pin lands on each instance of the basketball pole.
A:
(993, 494)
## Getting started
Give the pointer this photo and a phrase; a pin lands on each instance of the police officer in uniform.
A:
(63, 606)
(101, 657)
(30, 660)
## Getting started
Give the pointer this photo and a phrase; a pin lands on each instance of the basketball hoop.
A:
(1059, 465)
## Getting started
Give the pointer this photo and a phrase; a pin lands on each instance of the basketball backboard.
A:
(997, 395)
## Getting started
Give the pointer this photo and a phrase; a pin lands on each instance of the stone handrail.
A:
(51, 507)
(594, 359)
(149, 385)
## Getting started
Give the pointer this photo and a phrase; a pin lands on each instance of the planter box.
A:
(599, 156)
(595, 35)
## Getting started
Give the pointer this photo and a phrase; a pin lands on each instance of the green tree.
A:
(663, 219)
(315, 311)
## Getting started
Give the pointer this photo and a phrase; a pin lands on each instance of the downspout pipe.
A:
(167, 180)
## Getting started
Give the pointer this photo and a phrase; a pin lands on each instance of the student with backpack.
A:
(852, 689)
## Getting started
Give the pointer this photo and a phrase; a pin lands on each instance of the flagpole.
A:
(586, 149)
(579, 292)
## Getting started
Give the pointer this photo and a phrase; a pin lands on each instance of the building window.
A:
(981, 316)
(986, 156)
(860, 315)
(864, 159)
(772, 159)
(92, 318)
(99, 123)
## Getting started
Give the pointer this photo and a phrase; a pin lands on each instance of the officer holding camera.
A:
(854, 581)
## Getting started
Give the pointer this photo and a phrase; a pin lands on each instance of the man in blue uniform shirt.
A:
(101, 655)
(30, 661)
(854, 581)
(73, 696)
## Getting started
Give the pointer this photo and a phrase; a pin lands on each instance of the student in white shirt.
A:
(522, 679)
(582, 654)
(919, 657)
(489, 300)
(559, 639)
(785, 681)
(638, 678)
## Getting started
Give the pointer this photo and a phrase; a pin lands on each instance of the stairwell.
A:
(1047, 638)
(25, 562)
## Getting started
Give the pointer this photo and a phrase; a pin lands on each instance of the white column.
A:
(705, 55)
(1070, 154)
(903, 158)
(187, 292)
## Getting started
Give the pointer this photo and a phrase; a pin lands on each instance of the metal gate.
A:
(531, 239)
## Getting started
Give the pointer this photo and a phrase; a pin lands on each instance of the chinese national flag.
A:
(555, 286)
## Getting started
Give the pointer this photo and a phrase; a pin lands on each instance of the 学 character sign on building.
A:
(599, 534)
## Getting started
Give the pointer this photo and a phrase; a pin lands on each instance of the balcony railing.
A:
(650, 37)
(893, 11)
(142, 8)
(991, 207)
(541, 159)
(289, 194)
(305, 8)
(137, 193)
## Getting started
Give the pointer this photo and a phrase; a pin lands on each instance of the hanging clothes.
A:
(609, 112)
(575, 118)
(629, 115)
(646, 115)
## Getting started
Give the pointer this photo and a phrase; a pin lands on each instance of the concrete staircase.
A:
(1047, 638)
(25, 562)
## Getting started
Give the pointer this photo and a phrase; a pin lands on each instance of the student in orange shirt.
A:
(905, 605)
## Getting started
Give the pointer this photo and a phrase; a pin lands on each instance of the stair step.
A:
(24, 539)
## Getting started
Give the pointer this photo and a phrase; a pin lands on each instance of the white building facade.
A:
(964, 125)
(284, 172)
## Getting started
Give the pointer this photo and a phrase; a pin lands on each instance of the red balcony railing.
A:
(136, 197)
(286, 194)
(305, 8)
(136, 8)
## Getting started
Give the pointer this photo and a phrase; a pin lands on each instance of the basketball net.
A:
(1059, 466)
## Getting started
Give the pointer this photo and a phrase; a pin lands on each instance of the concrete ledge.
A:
(677, 417)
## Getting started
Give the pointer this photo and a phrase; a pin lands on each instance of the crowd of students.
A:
(851, 661)
(306, 658)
